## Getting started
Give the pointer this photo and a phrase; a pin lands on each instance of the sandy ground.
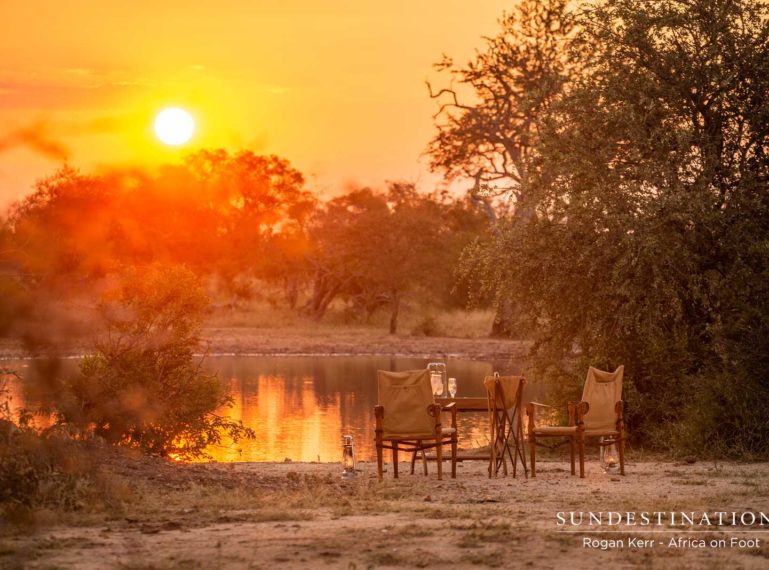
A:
(304, 516)
(323, 341)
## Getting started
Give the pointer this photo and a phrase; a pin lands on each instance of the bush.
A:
(142, 388)
(426, 326)
(725, 418)
(42, 472)
(37, 471)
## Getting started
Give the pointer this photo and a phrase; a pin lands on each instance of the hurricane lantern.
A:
(609, 455)
(348, 457)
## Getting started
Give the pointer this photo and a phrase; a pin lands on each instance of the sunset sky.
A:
(337, 86)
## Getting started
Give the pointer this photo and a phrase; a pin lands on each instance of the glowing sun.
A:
(174, 126)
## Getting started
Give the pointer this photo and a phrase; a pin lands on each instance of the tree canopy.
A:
(648, 247)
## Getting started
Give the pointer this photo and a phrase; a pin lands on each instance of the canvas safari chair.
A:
(505, 398)
(408, 418)
(598, 414)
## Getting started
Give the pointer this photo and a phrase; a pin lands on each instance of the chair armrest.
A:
(532, 406)
(434, 410)
(452, 407)
(539, 405)
(619, 408)
(530, 411)
(581, 408)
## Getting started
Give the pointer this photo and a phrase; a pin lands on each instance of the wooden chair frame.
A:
(572, 437)
(611, 437)
(506, 424)
(412, 444)
(576, 412)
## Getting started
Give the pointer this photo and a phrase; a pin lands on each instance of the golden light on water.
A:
(297, 421)
(299, 407)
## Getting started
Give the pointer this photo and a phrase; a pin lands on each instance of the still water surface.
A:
(300, 406)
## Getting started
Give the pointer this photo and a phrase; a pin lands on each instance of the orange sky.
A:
(335, 86)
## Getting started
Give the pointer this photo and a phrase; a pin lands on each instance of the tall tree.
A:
(650, 186)
(264, 207)
(378, 249)
(490, 119)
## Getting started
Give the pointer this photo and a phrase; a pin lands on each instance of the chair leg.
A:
(522, 450)
(413, 460)
(533, 451)
(379, 462)
(424, 461)
(502, 437)
(515, 452)
(395, 459)
(581, 436)
(492, 457)
(501, 442)
(439, 457)
(454, 455)
(621, 454)
(511, 434)
(573, 449)
(493, 445)
(511, 454)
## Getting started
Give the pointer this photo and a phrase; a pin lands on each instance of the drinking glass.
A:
(437, 383)
(453, 387)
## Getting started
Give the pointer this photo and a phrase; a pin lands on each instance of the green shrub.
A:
(42, 472)
(725, 418)
(143, 388)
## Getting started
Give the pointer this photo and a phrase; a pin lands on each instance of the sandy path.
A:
(317, 521)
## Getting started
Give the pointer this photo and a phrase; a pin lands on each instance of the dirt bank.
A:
(304, 516)
(323, 341)
(352, 341)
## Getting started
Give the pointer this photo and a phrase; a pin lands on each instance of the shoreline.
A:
(319, 342)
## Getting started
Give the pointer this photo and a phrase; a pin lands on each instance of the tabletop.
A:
(465, 404)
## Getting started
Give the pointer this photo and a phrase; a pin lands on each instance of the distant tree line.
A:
(243, 218)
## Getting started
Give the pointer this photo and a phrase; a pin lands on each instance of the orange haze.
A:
(337, 87)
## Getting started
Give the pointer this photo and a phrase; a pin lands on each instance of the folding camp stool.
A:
(505, 402)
